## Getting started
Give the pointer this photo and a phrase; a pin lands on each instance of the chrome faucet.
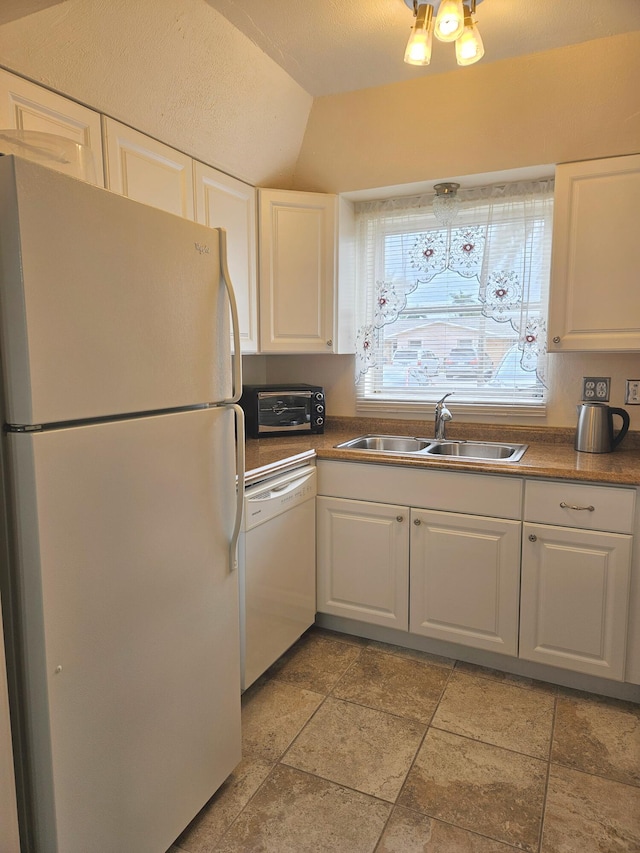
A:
(442, 416)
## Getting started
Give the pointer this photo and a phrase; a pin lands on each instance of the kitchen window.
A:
(455, 307)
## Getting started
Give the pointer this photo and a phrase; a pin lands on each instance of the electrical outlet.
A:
(632, 392)
(595, 389)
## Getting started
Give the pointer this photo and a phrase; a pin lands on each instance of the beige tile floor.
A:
(352, 746)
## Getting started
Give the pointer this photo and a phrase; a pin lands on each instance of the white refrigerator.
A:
(121, 513)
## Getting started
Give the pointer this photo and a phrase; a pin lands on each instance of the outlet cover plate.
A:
(632, 392)
(595, 389)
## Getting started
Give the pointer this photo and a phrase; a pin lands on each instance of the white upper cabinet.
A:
(26, 106)
(595, 298)
(299, 262)
(148, 171)
(225, 202)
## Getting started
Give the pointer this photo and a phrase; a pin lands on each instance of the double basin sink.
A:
(485, 451)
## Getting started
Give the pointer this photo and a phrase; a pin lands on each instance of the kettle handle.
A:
(625, 425)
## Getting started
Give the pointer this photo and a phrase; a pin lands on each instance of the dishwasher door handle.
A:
(277, 491)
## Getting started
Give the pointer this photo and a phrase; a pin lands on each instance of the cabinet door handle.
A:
(556, 339)
(533, 537)
(564, 505)
(399, 517)
(329, 343)
(417, 522)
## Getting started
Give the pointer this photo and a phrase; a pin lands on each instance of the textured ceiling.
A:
(331, 46)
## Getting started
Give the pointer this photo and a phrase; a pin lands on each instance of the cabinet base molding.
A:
(504, 663)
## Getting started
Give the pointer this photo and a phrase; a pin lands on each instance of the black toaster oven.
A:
(283, 409)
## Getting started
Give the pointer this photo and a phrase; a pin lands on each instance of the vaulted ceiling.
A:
(331, 46)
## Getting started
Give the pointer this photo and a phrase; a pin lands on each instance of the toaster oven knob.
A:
(319, 421)
(319, 409)
(319, 395)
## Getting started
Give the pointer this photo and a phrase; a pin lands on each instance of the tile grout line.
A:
(278, 761)
(394, 805)
(546, 784)
(327, 695)
(422, 740)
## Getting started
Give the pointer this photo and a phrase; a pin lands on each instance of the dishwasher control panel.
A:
(272, 497)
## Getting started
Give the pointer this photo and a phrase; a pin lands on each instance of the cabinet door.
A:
(594, 297)
(225, 202)
(148, 171)
(297, 271)
(26, 106)
(363, 561)
(465, 579)
(575, 596)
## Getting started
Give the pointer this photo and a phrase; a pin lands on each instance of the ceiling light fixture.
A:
(418, 50)
(454, 22)
(446, 203)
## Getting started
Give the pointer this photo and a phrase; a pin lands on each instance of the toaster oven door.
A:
(283, 412)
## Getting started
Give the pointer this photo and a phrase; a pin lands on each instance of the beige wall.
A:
(177, 71)
(566, 370)
(574, 103)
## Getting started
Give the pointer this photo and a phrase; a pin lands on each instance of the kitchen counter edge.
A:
(553, 459)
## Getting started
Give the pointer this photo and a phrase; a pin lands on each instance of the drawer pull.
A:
(564, 505)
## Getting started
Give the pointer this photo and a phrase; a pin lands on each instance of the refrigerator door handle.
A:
(240, 471)
(236, 391)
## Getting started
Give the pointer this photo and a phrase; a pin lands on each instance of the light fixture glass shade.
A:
(450, 20)
(446, 203)
(418, 50)
(469, 47)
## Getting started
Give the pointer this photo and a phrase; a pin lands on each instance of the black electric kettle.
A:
(594, 433)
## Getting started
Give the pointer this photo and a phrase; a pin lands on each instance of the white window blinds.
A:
(457, 308)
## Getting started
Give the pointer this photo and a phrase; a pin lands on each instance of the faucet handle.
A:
(442, 399)
(442, 416)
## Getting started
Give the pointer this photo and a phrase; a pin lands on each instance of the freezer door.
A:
(108, 306)
(130, 621)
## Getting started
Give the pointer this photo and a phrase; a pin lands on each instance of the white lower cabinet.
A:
(447, 575)
(576, 579)
(554, 590)
(575, 594)
(465, 579)
(363, 561)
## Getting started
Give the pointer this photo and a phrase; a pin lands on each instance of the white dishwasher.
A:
(277, 568)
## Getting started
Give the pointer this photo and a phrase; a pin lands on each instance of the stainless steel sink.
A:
(387, 443)
(487, 451)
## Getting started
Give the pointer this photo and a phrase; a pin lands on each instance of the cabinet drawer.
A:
(556, 503)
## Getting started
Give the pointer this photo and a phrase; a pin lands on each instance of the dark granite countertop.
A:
(550, 453)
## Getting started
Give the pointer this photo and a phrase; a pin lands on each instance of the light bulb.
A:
(469, 47)
(450, 20)
(418, 50)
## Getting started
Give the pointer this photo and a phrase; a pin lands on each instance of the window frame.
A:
(413, 215)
